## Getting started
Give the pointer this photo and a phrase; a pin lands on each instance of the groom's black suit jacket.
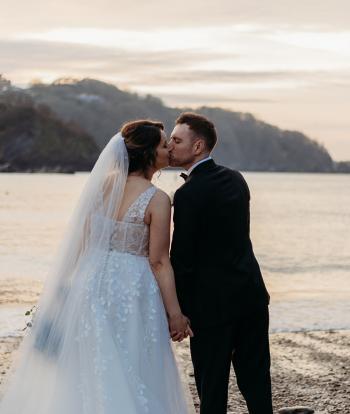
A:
(217, 275)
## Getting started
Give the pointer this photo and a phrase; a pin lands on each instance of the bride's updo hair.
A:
(142, 138)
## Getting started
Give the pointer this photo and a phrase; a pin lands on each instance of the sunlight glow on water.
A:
(299, 229)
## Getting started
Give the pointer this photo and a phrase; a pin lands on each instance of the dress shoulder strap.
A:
(136, 212)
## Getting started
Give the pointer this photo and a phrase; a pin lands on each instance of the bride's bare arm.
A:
(160, 214)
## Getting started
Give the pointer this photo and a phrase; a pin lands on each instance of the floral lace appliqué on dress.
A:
(125, 323)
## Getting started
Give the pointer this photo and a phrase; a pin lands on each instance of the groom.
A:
(219, 283)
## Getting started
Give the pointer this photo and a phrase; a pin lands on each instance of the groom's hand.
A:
(188, 331)
(179, 327)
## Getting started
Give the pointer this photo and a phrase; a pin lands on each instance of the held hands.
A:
(179, 327)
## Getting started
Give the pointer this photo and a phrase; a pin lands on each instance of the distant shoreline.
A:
(65, 170)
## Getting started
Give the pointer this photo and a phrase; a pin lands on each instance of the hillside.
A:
(98, 110)
(32, 138)
(245, 142)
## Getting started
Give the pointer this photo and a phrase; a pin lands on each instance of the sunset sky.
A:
(285, 61)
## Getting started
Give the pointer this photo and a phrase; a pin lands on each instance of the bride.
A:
(100, 340)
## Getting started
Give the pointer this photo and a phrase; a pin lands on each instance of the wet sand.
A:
(308, 368)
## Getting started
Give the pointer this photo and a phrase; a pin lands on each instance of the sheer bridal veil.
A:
(48, 349)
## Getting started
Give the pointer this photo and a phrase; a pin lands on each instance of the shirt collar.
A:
(197, 163)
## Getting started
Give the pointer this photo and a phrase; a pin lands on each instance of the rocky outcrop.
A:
(32, 138)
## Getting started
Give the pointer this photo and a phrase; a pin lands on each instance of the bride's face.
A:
(162, 153)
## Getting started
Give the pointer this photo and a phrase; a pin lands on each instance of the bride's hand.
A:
(179, 327)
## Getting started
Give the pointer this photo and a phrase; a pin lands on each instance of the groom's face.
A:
(182, 146)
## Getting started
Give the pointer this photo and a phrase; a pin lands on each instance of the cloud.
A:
(37, 57)
(140, 15)
(142, 69)
(302, 77)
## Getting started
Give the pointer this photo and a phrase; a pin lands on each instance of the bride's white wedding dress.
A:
(135, 367)
(115, 356)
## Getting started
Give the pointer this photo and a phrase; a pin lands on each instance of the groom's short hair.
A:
(201, 126)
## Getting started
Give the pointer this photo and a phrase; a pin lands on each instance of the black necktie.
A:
(184, 176)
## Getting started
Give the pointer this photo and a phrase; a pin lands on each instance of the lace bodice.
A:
(131, 233)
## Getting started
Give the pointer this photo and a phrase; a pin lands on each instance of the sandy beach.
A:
(308, 368)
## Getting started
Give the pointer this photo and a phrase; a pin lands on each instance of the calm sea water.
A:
(300, 232)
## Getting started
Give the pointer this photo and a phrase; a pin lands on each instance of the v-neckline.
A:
(132, 204)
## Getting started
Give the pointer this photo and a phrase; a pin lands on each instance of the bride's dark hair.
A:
(142, 138)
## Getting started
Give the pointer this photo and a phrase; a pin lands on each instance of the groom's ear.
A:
(199, 146)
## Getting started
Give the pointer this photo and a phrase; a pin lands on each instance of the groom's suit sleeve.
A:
(183, 247)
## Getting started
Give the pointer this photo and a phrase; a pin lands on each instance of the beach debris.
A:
(30, 313)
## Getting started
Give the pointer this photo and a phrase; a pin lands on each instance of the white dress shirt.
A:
(197, 163)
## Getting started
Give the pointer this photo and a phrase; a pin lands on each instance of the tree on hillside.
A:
(4, 83)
